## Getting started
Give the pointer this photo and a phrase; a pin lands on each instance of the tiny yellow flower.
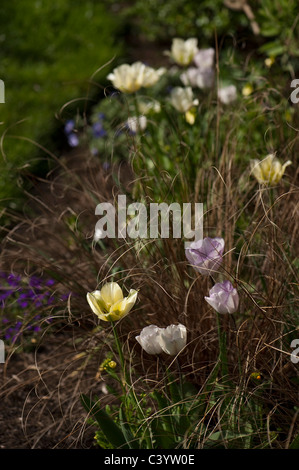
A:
(268, 171)
(256, 376)
(109, 304)
(247, 90)
(269, 61)
(190, 116)
(111, 364)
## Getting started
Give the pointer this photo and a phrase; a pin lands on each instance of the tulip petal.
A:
(111, 293)
(95, 304)
(149, 339)
(123, 307)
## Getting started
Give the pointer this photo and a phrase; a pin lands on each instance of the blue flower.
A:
(69, 126)
(98, 130)
(73, 140)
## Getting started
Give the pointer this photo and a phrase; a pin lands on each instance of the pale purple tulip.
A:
(223, 297)
(201, 76)
(195, 77)
(206, 255)
(204, 58)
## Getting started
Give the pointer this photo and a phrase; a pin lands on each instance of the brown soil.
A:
(38, 406)
(40, 389)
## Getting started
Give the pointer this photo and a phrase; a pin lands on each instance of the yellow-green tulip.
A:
(269, 170)
(109, 304)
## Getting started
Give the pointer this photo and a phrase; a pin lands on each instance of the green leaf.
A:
(163, 438)
(125, 427)
(164, 407)
(112, 432)
(295, 443)
(273, 48)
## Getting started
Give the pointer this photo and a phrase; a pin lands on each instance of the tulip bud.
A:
(223, 297)
(173, 339)
(206, 255)
(149, 339)
(155, 340)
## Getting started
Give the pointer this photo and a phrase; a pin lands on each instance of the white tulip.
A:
(227, 94)
(155, 340)
(149, 339)
(182, 99)
(173, 339)
(136, 124)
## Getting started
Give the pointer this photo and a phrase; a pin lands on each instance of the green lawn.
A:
(48, 52)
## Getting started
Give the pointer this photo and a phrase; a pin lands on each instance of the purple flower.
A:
(69, 126)
(98, 130)
(34, 282)
(106, 166)
(72, 137)
(73, 140)
(223, 297)
(206, 255)
(13, 280)
(94, 151)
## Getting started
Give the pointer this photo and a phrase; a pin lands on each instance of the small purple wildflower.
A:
(16, 293)
(69, 126)
(73, 140)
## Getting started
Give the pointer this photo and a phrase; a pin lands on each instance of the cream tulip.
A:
(183, 52)
(109, 304)
(130, 78)
(182, 99)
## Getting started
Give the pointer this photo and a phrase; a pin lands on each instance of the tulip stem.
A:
(125, 380)
(118, 347)
(222, 346)
(180, 377)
